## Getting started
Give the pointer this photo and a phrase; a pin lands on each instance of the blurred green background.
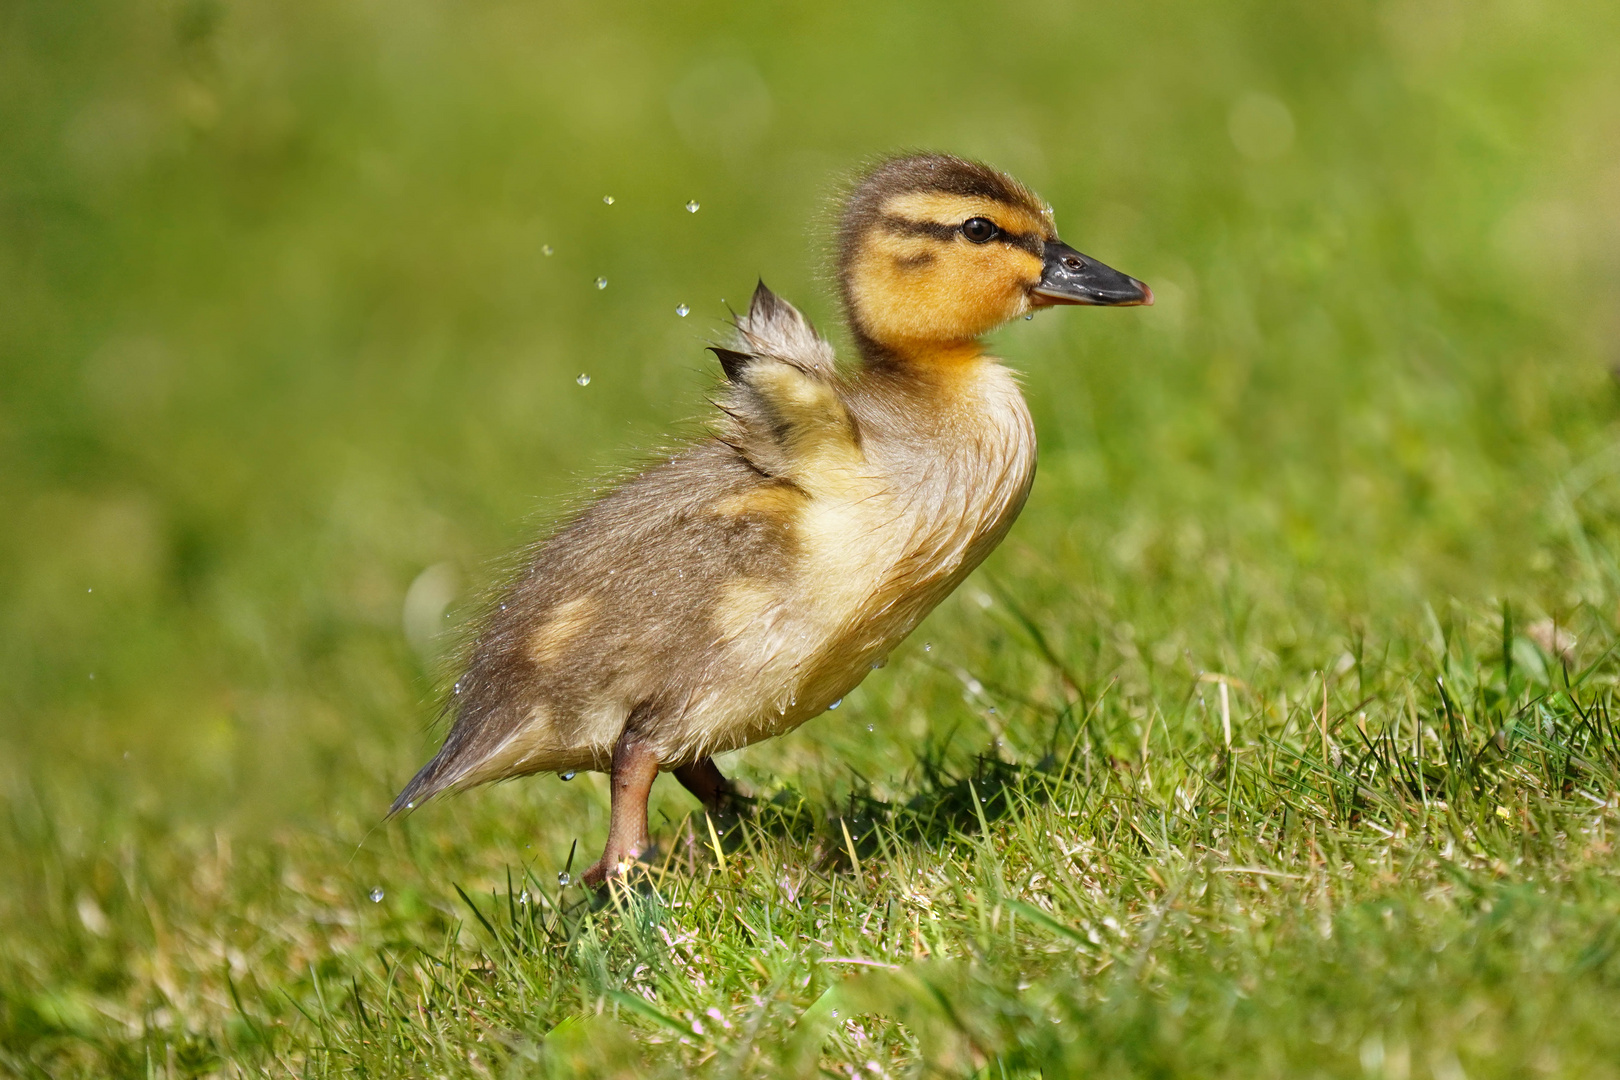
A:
(295, 295)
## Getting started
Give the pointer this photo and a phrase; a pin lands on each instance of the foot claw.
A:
(620, 867)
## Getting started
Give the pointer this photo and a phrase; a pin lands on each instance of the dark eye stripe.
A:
(1029, 242)
(906, 227)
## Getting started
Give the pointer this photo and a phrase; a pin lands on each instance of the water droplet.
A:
(458, 688)
(608, 199)
(410, 806)
(601, 283)
(376, 896)
(879, 662)
(89, 590)
(583, 379)
(503, 607)
(682, 310)
(547, 249)
(523, 899)
(835, 1014)
(567, 776)
(126, 755)
(1028, 317)
(92, 674)
(563, 878)
(869, 727)
(692, 206)
(835, 704)
(992, 708)
(928, 646)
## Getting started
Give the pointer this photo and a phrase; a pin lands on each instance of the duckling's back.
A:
(738, 589)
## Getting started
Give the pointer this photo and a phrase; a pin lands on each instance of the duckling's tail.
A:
(462, 750)
(428, 782)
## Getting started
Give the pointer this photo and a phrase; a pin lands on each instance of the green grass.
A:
(279, 338)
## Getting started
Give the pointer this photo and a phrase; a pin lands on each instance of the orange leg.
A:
(704, 779)
(635, 767)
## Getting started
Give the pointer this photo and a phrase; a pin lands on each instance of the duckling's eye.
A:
(980, 230)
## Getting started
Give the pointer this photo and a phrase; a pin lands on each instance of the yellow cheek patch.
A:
(960, 292)
(566, 623)
(916, 283)
(908, 253)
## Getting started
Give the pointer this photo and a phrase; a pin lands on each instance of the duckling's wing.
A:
(783, 410)
(774, 328)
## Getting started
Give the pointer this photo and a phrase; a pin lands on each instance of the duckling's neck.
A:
(918, 355)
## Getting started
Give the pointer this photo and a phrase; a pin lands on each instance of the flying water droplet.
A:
(1028, 317)
(835, 1014)
(89, 590)
(682, 310)
(92, 675)
(601, 283)
(523, 899)
(692, 206)
(928, 646)
(608, 199)
(563, 878)
(583, 379)
(869, 727)
(567, 776)
(835, 704)
(410, 806)
(547, 249)
(376, 896)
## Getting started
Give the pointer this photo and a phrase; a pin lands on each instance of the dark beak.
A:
(1072, 278)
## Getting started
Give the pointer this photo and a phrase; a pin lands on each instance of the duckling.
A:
(749, 582)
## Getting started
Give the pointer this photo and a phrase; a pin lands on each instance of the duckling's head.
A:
(935, 251)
